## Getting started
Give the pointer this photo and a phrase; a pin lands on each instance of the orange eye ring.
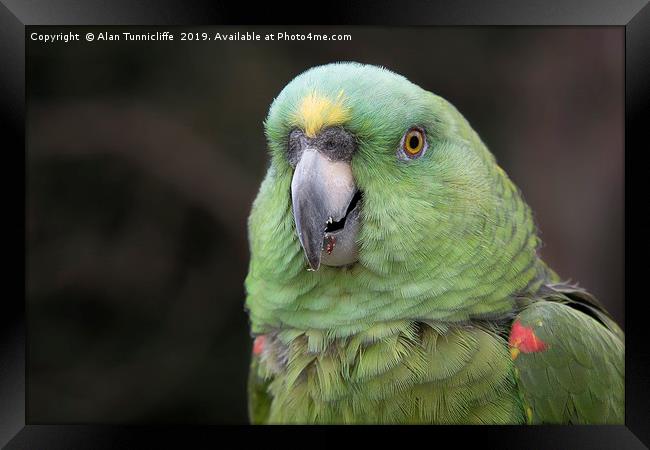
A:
(413, 142)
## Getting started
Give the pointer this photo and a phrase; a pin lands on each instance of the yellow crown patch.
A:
(318, 111)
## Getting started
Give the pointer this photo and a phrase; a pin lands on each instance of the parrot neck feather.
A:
(447, 275)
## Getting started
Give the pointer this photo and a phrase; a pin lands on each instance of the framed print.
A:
(413, 214)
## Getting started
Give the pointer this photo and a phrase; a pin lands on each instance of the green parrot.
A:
(395, 276)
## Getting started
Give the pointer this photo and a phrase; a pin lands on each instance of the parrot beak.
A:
(323, 196)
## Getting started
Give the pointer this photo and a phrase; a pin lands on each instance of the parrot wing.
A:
(569, 358)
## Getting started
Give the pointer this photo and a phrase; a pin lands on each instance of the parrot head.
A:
(367, 147)
(376, 184)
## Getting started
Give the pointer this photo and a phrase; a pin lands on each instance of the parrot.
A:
(395, 274)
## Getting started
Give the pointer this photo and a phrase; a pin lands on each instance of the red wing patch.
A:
(523, 339)
(258, 345)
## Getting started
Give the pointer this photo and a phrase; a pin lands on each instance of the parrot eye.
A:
(413, 143)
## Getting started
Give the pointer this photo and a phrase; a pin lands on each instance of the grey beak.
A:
(321, 190)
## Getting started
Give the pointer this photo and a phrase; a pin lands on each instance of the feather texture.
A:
(413, 375)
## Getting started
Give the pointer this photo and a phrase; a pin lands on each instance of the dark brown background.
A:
(143, 159)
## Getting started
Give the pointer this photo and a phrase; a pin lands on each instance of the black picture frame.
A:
(15, 15)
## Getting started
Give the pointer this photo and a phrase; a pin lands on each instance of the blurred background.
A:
(143, 159)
